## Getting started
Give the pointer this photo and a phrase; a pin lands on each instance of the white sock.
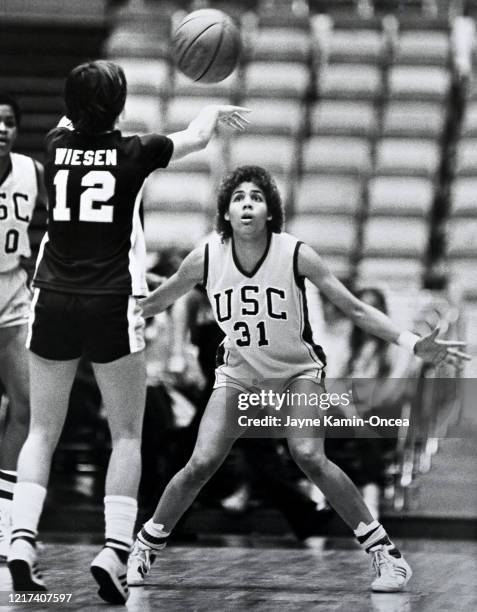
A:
(153, 535)
(28, 500)
(156, 529)
(120, 517)
(371, 535)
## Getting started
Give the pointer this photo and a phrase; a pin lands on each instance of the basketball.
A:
(206, 46)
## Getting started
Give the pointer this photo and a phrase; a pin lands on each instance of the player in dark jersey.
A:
(21, 197)
(90, 271)
(254, 279)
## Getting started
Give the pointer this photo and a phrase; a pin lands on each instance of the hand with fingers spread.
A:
(234, 116)
(201, 129)
(435, 351)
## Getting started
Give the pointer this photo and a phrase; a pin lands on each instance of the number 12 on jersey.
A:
(100, 186)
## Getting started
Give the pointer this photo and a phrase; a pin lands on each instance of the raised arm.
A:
(201, 129)
(371, 319)
(189, 274)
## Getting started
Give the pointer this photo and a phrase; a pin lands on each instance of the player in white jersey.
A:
(254, 278)
(20, 179)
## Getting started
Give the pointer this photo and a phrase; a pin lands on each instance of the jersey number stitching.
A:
(101, 185)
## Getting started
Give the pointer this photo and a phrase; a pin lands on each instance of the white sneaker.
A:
(110, 573)
(23, 567)
(392, 574)
(139, 563)
(5, 533)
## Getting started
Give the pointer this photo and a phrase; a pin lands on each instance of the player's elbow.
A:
(357, 313)
(200, 139)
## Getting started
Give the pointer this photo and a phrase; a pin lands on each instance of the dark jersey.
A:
(95, 240)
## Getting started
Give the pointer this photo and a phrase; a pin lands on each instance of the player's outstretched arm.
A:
(189, 274)
(200, 130)
(371, 319)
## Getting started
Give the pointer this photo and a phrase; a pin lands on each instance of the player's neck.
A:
(250, 250)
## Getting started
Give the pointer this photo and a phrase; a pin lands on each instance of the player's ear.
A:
(269, 217)
(227, 216)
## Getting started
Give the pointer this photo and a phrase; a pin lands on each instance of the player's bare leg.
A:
(217, 433)
(14, 372)
(13, 359)
(392, 571)
(50, 386)
(123, 389)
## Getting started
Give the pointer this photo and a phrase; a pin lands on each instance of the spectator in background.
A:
(369, 359)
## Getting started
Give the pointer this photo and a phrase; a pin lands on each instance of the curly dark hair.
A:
(95, 94)
(264, 180)
(9, 100)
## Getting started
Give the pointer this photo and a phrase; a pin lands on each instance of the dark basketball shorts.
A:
(102, 328)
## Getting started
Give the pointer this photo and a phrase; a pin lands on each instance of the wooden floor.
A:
(268, 575)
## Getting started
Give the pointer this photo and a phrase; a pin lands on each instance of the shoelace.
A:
(143, 555)
(380, 560)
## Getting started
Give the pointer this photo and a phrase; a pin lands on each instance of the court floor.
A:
(267, 575)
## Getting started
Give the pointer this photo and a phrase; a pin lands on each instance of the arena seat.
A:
(466, 156)
(183, 86)
(282, 14)
(328, 234)
(419, 82)
(408, 156)
(334, 194)
(469, 125)
(414, 119)
(415, 9)
(129, 41)
(354, 81)
(39, 121)
(177, 191)
(339, 154)
(356, 45)
(275, 116)
(462, 237)
(395, 237)
(335, 8)
(280, 44)
(423, 46)
(464, 197)
(178, 229)
(182, 109)
(400, 195)
(462, 272)
(206, 160)
(142, 114)
(276, 79)
(145, 76)
(32, 86)
(341, 117)
(393, 271)
(275, 153)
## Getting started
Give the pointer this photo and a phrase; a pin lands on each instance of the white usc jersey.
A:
(264, 313)
(18, 194)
